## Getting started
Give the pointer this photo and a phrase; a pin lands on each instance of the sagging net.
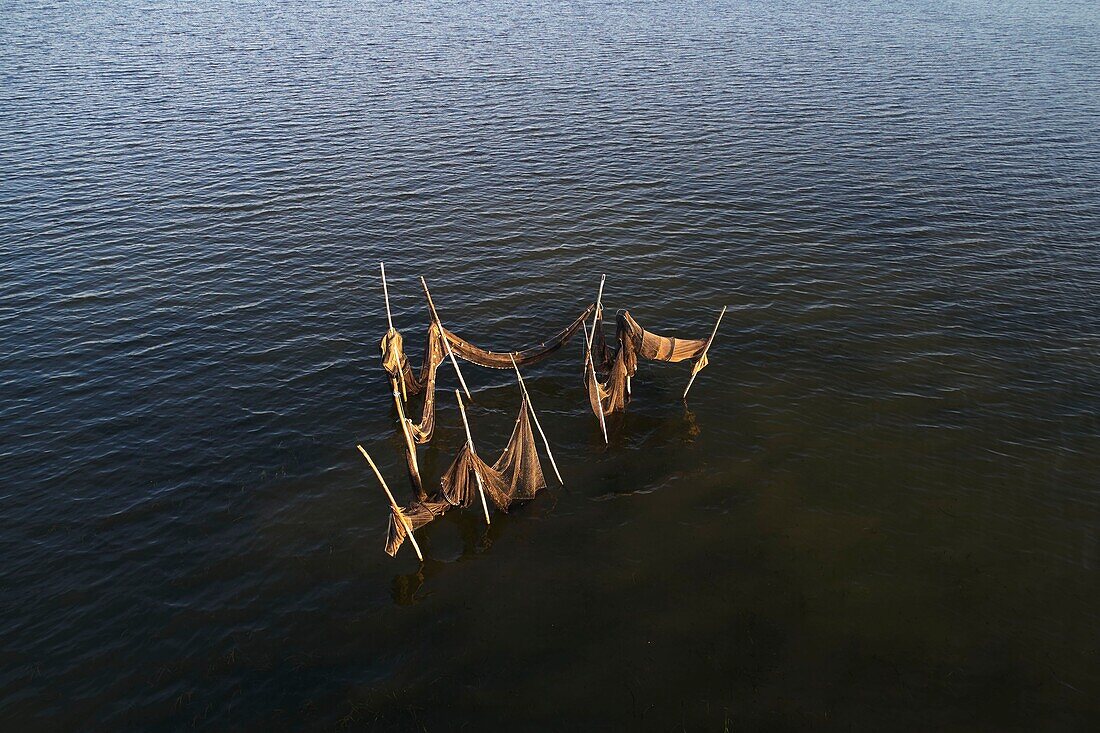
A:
(417, 514)
(403, 381)
(403, 378)
(621, 363)
(525, 357)
(517, 474)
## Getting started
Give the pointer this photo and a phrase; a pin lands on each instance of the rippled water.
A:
(879, 510)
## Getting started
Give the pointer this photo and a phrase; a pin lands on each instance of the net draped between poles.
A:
(417, 514)
(621, 363)
(397, 364)
(405, 381)
(526, 357)
(516, 475)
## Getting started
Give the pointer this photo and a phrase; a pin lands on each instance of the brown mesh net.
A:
(657, 348)
(433, 357)
(612, 391)
(397, 364)
(405, 381)
(418, 514)
(404, 378)
(602, 353)
(506, 480)
(622, 363)
(516, 475)
(500, 359)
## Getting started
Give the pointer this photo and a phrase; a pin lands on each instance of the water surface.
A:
(879, 510)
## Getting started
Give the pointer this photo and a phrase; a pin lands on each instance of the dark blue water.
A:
(879, 509)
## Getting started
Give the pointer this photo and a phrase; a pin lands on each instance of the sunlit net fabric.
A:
(403, 377)
(417, 514)
(517, 474)
(503, 360)
(653, 346)
(621, 362)
(403, 381)
(401, 374)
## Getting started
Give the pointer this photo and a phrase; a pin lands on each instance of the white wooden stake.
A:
(470, 442)
(535, 418)
(599, 401)
(705, 350)
(446, 344)
(389, 319)
(393, 504)
(386, 290)
(595, 316)
(410, 444)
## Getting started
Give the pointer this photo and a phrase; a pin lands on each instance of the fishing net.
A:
(403, 378)
(516, 475)
(621, 363)
(655, 347)
(397, 364)
(417, 514)
(526, 357)
(404, 382)
(611, 392)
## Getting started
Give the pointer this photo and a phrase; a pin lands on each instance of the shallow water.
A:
(879, 509)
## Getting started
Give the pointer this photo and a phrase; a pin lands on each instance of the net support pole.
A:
(393, 504)
(596, 384)
(588, 337)
(410, 444)
(534, 417)
(470, 442)
(591, 362)
(389, 320)
(446, 343)
(705, 350)
(386, 291)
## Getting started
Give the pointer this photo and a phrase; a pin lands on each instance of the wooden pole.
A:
(398, 399)
(446, 344)
(393, 504)
(595, 315)
(386, 290)
(592, 367)
(389, 319)
(410, 444)
(470, 441)
(705, 350)
(535, 418)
